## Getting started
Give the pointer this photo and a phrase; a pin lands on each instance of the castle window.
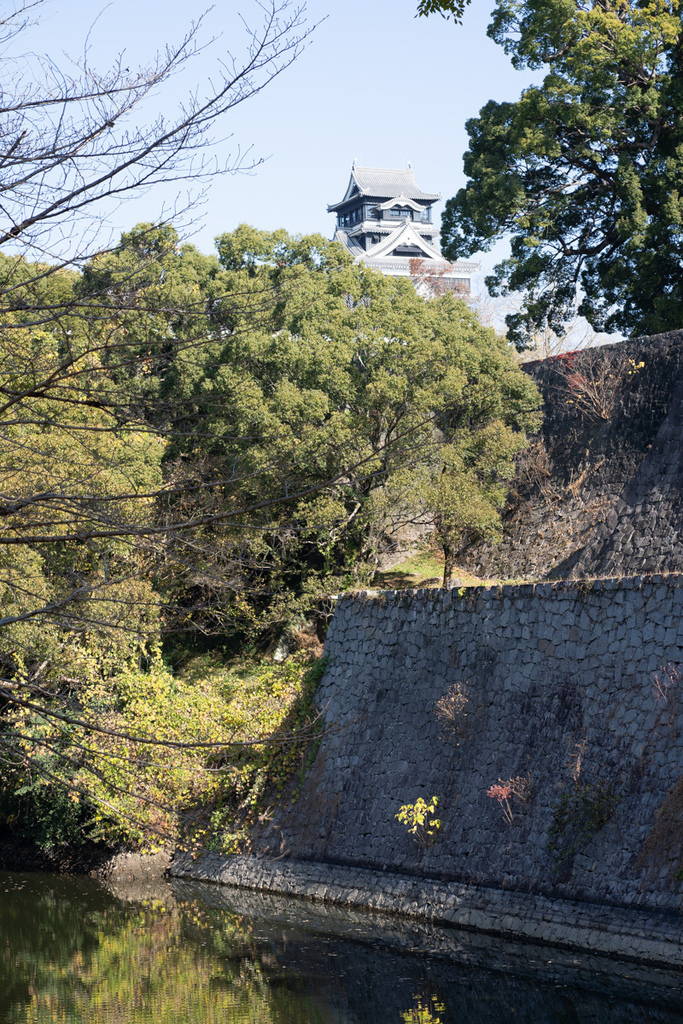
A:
(408, 250)
(424, 215)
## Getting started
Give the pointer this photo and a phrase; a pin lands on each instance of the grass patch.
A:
(423, 569)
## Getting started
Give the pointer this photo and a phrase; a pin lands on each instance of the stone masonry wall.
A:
(643, 532)
(559, 681)
(598, 496)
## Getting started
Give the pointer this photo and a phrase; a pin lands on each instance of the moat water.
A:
(76, 950)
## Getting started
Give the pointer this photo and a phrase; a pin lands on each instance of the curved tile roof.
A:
(381, 183)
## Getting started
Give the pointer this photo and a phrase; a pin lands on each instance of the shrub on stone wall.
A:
(421, 821)
(580, 814)
(450, 709)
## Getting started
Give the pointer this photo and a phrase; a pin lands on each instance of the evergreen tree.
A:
(584, 171)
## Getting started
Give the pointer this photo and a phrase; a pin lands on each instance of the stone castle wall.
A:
(559, 682)
(599, 496)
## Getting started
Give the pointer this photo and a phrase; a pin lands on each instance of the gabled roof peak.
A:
(405, 235)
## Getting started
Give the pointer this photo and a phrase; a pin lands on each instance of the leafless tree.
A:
(74, 142)
(434, 279)
(88, 550)
(70, 140)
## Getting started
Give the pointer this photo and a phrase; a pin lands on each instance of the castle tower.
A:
(385, 220)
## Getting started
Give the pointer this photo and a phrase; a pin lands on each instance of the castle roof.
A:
(383, 183)
(404, 235)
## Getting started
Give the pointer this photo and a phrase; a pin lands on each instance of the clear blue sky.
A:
(373, 83)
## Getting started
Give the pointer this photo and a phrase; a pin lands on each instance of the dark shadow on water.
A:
(76, 951)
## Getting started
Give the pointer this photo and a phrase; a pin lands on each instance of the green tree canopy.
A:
(213, 444)
(584, 171)
(446, 8)
(355, 384)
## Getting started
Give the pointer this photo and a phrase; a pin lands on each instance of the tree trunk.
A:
(448, 564)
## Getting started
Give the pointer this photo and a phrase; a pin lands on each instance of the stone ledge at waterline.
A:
(654, 937)
(559, 681)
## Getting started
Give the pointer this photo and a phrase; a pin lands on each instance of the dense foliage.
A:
(211, 445)
(190, 758)
(584, 171)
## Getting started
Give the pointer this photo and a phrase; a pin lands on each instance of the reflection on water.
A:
(75, 951)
